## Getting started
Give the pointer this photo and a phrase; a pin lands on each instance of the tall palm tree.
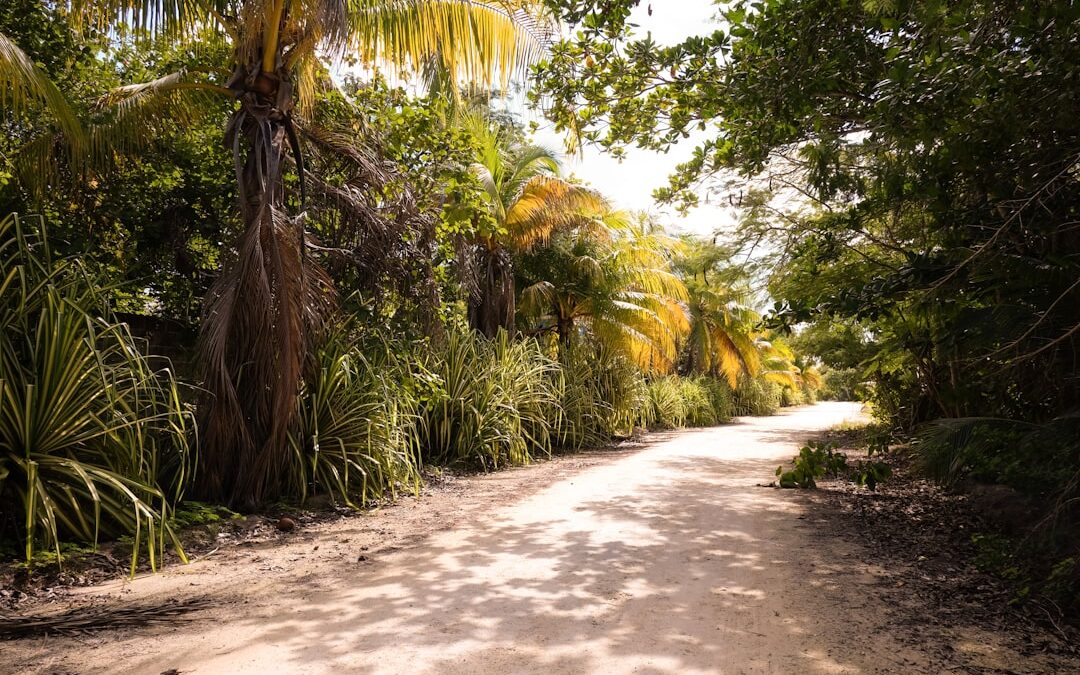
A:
(615, 283)
(527, 201)
(722, 336)
(272, 296)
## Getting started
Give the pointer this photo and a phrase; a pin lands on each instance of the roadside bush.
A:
(843, 384)
(675, 402)
(600, 396)
(756, 397)
(623, 390)
(697, 403)
(492, 402)
(815, 459)
(789, 396)
(666, 406)
(1041, 463)
(581, 417)
(355, 435)
(1038, 460)
(93, 437)
(721, 398)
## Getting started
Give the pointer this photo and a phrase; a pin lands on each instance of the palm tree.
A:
(722, 337)
(526, 203)
(614, 283)
(272, 296)
(25, 87)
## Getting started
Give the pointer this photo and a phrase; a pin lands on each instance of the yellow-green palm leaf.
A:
(25, 87)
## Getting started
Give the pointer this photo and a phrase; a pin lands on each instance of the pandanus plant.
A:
(272, 296)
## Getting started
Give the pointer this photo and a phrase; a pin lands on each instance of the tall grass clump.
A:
(582, 417)
(622, 389)
(697, 403)
(492, 402)
(355, 433)
(675, 402)
(666, 407)
(93, 437)
(757, 397)
(791, 396)
(721, 398)
(602, 396)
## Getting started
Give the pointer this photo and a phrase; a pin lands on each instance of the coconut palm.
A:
(527, 202)
(271, 296)
(778, 362)
(613, 283)
(722, 339)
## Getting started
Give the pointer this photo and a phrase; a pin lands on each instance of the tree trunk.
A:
(494, 305)
(564, 328)
(253, 334)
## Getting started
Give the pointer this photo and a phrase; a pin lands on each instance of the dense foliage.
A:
(913, 167)
(382, 281)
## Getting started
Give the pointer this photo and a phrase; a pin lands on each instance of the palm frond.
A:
(479, 42)
(547, 205)
(24, 86)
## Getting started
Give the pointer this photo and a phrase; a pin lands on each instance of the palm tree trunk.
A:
(494, 307)
(564, 328)
(253, 335)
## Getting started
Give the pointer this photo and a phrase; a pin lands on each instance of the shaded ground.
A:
(667, 558)
(939, 582)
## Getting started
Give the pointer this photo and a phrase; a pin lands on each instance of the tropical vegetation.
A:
(907, 174)
(251, 270)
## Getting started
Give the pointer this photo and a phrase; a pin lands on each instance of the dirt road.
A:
(663, 559)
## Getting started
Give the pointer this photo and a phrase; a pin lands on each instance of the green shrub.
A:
(623, 390)
(666, 407)
(493, 402)
(721, 398)
(843, 384)
(93, 438)
(1037, 459)
(581, 416)
(757, 397)
(789, 396)
(815, 459)
(674, 402)
(356, 427)
(697, 403)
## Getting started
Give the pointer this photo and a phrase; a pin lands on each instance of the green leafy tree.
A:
(930, 149)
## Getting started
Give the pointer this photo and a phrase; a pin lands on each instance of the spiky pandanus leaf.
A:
(89, 431)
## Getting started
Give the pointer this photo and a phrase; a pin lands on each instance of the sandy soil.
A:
(665, 558)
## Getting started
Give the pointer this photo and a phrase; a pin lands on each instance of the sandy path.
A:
(666, 559)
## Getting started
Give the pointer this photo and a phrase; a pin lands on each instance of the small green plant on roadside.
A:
(815, 460)
(869, 473)
(56, 557)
